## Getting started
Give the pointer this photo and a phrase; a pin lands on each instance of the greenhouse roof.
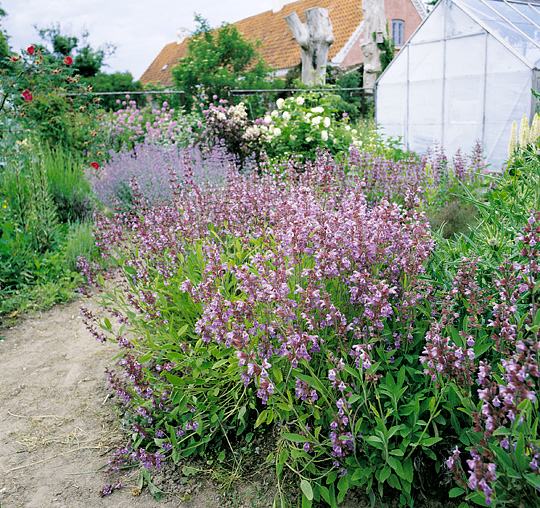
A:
(515, 23)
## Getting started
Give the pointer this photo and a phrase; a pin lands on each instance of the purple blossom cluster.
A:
(508, 376)
(443, 357)
(324, 269)
(433, 172)
(130, 125)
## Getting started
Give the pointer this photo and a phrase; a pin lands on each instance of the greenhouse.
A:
(466, 74)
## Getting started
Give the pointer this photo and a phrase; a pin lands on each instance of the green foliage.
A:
(4, 44)
(218, 60)
(80, 243)
(116, 82)
(69, 188)
(36, 99)
(355, 105)
(498, 256)
(42, 195)
(388, 50)
(87, 60)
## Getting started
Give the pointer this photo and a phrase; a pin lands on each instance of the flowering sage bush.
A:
(436, 177)
(484, 347)
(277, 302)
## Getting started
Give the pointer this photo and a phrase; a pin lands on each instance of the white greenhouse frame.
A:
(466, 74)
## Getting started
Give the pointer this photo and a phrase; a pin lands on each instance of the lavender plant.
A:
(149, 169)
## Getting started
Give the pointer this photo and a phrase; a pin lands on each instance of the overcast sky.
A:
(139, 29)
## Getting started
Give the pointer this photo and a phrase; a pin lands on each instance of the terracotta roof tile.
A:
(279, 49)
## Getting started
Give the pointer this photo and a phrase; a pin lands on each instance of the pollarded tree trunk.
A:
(375, 29)
(315, 37)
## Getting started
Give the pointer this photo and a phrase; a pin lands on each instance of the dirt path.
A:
(57, 425)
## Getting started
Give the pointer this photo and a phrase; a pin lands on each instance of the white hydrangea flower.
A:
(308, 139)
(277, 131)
(354, 131)
(326, 122)
(300, 101)
(286, 116)
(316, 120)
(274, 114)
(324, 135)
(347, 127)
(294, 137)
(279, 103)
(318, 109)
(267, 119)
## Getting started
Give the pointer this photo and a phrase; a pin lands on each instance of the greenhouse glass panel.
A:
(466, 56)
(426, 103)
(458, 23)
(394, 113)
(455, 134)
(422, 137)
(432, 28)
(426, 61)
(516, 19)
(397, 72)
(508, 97)
(464, 100)
(464, 86)
(503, 28)
(529, 12)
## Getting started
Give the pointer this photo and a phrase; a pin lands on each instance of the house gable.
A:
(279, 48)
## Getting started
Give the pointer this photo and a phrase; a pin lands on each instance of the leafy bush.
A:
(438, 179)
(36, 94)
(218, 60)
(229, 126)
(116, 82)
(483, 343)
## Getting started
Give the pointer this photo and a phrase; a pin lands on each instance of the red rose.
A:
(68, 60)
(31, 50)
(27, 95)
(15, 58)
(95, 165)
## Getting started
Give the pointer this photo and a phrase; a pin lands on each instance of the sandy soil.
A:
(58, 425)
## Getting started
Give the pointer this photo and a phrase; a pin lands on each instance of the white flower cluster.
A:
(526, 134)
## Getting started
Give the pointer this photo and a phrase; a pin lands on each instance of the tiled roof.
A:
(279, 49)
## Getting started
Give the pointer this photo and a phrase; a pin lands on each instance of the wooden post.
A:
(375, 29)
(315, 37)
